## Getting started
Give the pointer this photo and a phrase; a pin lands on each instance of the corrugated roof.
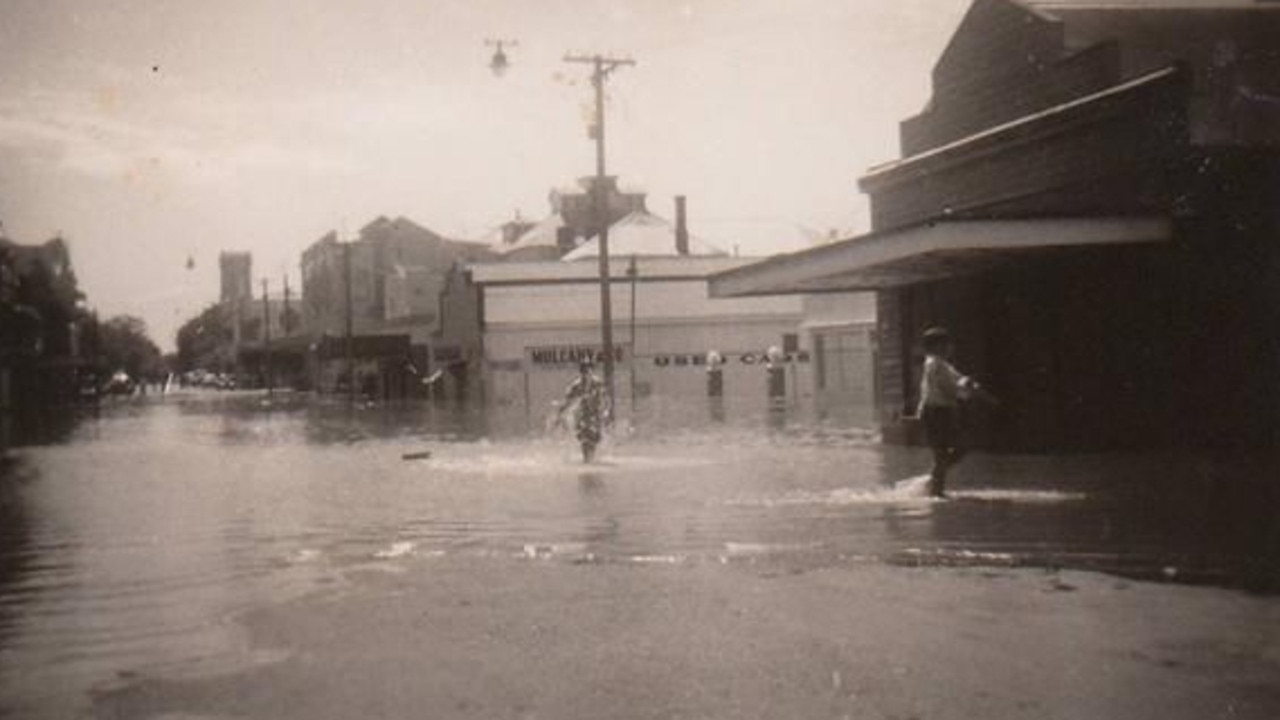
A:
(642, 234)
(759, 237)
(554, 271)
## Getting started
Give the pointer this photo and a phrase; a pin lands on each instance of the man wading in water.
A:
(942, 387)
(585, 397)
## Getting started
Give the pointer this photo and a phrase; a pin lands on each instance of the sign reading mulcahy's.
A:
(557, 355)
(571, 355)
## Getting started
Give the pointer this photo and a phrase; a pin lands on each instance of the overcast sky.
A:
(148, 131)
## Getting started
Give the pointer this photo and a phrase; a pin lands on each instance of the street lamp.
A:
(348, 340)
(499, 63)
(266, 339)
(601, 67)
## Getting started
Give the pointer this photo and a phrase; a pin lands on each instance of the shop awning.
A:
(928, 252)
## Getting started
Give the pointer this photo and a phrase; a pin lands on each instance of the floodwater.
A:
(127, 542)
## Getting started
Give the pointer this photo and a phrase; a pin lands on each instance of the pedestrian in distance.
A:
(942, 390)
(585, 398)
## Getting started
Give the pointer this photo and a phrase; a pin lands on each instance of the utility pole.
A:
(350, 349)
(601, 67)
(266, 338)
(633, 272)
(285, 322)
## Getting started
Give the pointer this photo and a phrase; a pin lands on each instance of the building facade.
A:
(384, 284)
(395, 270)
(535, 321)
(572, 222)
(513, 332)
(235, 272)
(1091, 202)
(46, 338)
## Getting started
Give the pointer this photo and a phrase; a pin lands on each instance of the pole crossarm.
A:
(605, 64)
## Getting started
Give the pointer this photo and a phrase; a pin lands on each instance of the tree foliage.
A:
(202, 338)
(123, 344)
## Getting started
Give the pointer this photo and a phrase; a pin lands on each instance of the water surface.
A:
(128, 543)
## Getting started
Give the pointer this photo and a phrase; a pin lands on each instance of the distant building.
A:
(1089, 202)
(45, 337)
(273, 320)
(543, 241)
(512, 331)
(577, 207)
(397, 270)
(394, 272)
(573, 220)
(643, 234)
(236, 274)
(531, 323)
(501, 238)
(251, 323)
(40, 293)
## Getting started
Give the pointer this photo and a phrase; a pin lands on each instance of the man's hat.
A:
(935, 337)
(585, 362)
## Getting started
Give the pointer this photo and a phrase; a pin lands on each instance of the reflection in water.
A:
(16, 556)
(45, 426)
(129, 543)
(591, 483)
(715, 408)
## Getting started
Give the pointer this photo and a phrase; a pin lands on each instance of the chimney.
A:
(565, 238)
(511, 232)
(682, 228)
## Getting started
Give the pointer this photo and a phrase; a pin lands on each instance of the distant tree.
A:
(201, 339)
(123, 344)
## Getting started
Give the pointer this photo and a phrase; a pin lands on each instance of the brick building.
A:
(1091, 201)
(396, 271)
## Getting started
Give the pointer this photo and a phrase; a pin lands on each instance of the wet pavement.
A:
(142, 537)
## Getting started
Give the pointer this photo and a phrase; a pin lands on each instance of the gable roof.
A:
(760, 237)
(642, 234)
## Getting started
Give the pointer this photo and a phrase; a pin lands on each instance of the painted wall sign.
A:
(747, 358)
(568, 355)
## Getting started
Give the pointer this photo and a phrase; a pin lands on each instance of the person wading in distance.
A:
(585, 398)
(942, 389)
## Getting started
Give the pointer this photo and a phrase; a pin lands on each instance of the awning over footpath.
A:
(929, 252)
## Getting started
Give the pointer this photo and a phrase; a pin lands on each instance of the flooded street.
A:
(129, 545)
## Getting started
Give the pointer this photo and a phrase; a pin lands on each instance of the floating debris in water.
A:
(399, 549)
